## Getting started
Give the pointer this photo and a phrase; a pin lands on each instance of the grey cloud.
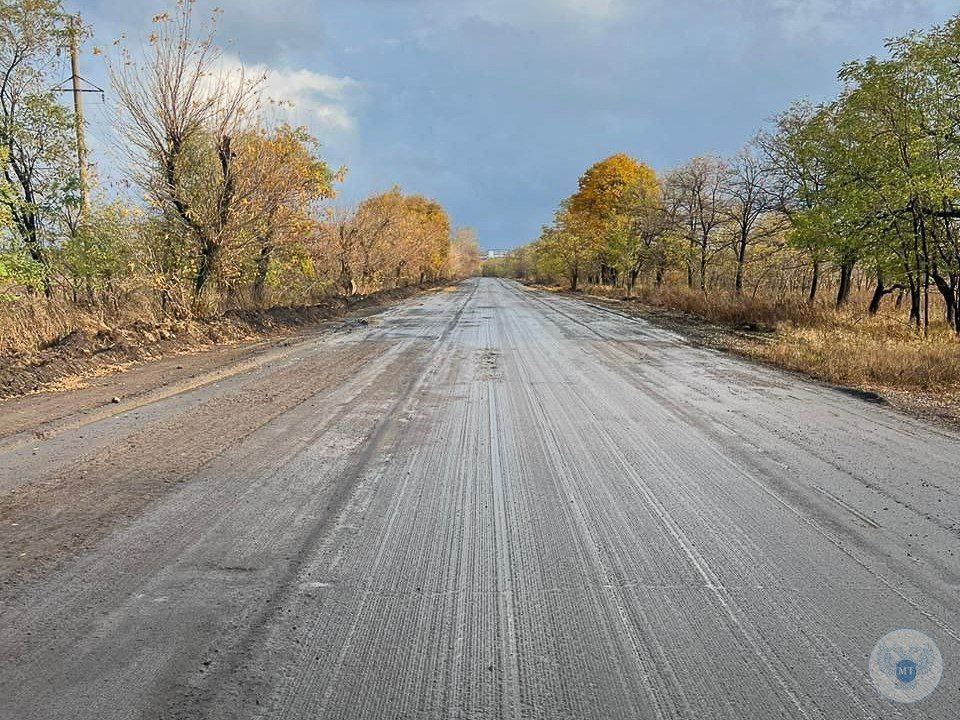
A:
(495, 106)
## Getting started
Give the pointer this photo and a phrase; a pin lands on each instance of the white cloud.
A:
(332, 116)
(322, 102)
(298, 83)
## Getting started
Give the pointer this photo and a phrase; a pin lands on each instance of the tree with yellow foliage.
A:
(603, 187)
(390, 240)
(635, 228)
(464, 258)
(283, 180)
(605, 223)
(565, 248)
(428, 231)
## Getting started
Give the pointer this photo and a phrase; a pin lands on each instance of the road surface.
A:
(488, 502)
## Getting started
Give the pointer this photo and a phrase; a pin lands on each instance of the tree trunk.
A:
(956, 306)
(210, 241)
(878, 294)
(952, 308)
(741, 261)
(205, 270)
(346, 277)
(263, 267)
(915, 303)
(226, 195)
(608, 275)
(703, 265)
(814, 282)
(843, 291)
(947, 292)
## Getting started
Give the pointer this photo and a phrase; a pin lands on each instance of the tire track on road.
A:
(385, 435)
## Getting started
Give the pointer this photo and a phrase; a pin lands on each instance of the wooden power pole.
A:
(78, 116)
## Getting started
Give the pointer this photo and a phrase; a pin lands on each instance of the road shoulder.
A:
(97, 387)
(939, 408)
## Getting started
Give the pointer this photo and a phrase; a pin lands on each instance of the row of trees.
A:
(705, 219)
(235, 207)
(860, 190)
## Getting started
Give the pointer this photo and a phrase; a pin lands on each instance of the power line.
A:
(78, 86)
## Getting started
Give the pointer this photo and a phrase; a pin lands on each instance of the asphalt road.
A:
(488, 502)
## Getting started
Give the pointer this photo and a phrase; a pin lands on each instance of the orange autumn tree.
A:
(428, 230)
(602, 188)
(594, 230)
(390, 239)
(285, 180)
(598, 211)
(416, 235)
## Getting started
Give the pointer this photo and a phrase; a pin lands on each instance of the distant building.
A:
(494, 254)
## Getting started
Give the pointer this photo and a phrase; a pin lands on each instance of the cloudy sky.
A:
(494, 107)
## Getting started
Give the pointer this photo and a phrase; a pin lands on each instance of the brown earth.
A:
(79, 358)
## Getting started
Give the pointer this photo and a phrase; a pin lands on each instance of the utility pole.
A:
(74, 33)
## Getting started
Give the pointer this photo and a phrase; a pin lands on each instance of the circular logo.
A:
(905, 666)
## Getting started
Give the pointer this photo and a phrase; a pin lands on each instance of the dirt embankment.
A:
(74, 359)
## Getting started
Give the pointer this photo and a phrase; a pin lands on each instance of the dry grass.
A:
(31, 324)
(53, 345)
(873, 353)
(741, 312)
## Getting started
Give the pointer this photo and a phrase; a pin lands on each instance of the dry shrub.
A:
(742, 312)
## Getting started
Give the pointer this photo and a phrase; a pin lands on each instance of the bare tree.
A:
(181, 111)
(749, 204)
(694, 193)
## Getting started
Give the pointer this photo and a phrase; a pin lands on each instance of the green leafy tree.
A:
(794, 153)
(37, 133)
(99, 252)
